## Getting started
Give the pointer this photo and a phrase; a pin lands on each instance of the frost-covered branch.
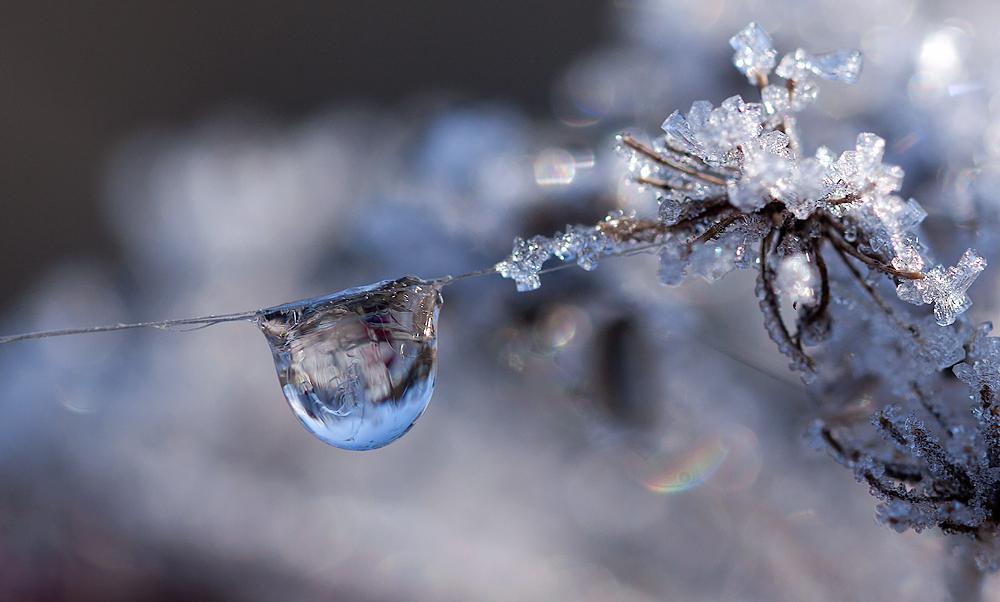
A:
(737, 190)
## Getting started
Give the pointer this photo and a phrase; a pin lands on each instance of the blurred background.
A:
(604, 437)
(76, 78)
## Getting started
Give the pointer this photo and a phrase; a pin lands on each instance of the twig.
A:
(716, 229)
(888, 269)
(651, 154)
(771, 309)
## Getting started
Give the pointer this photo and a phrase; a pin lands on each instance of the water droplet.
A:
(358, 367)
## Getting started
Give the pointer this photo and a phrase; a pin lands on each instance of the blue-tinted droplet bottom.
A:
(358, 367)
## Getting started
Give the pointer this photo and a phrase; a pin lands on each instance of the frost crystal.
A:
(671, 207)
(780, 102)
(861, 172)
(843, 65)
(674, 260)
(713, 134)
(526, 261)
(755, 54)
(585, 244)
(945, 288)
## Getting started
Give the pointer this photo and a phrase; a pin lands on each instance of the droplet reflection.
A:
(358, 367)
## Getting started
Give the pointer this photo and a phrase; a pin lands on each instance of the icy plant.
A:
(827, 233)
(733, 177)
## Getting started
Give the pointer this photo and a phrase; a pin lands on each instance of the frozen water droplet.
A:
(358, 367)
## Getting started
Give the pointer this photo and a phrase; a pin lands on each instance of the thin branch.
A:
(864, 283)
(844, 200)
(717, 228)
(813, 314)
(661, 184)
(771, 309)
(446, 280)
(653, 155)
(888, 269)
(719, 169)
(879, 300)
(200, 322)
(927, 405)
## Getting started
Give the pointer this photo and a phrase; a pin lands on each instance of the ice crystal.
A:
(674, 260)
(755, 54)
(584, 244)
(526, 261)
(842, 65)
(945, 288)
(713, 134)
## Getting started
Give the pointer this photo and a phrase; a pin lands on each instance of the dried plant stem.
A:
(196, 322)
(843, 245)
(653, 155)
(771, 309)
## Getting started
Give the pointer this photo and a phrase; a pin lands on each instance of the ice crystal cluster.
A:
(827, 233)
(617, 233)
(735, 176)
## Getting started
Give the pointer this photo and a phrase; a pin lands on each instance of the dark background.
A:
(77, 77)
